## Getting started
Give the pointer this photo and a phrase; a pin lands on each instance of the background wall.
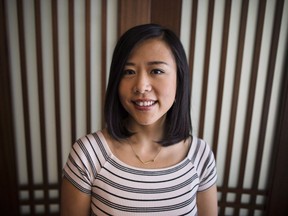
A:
(59, 54)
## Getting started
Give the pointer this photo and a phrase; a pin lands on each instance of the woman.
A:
(145, 162)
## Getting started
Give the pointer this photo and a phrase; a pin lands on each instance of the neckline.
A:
(117, 160)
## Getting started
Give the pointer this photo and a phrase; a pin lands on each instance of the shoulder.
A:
(203, 160)
(91, 146)
(198, 149)
(85, 161)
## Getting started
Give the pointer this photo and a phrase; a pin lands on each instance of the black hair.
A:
(178, 121)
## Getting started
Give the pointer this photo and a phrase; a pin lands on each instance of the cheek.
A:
(171, 88)
(124, 93)
(170, 95)
(122, 90)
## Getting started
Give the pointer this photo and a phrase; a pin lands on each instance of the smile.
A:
(144, 103)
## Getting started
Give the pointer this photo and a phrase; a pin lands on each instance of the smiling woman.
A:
(143, 91)
(145, 161)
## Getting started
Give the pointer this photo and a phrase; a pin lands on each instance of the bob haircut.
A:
(178, 121)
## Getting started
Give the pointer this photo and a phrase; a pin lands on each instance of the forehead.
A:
(151, 49)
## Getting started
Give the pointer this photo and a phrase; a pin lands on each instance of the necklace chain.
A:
(145, 162)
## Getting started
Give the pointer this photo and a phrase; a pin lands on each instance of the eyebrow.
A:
(149, 63)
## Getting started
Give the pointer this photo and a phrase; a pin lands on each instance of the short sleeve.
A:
(205, 165)
(78, 169)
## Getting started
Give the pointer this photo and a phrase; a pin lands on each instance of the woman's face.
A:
(148, 87)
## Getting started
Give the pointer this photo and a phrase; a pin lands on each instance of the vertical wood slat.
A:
(57, 99)
(192, 39)
(103, 56)
(131, 13)
(206, 67)
(278, 188)
(236, 84)
(41, 97)
(225, 36)
(72, 68)
(167, 13)
(26, 110)
(268, 91)
(9, 178)
(250, 104)
(88, 63)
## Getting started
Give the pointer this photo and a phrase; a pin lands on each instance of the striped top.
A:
(119, 189)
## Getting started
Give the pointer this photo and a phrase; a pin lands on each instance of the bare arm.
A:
(207, 202)
(73, 201)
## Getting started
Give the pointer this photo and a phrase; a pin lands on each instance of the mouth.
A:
(144, 103)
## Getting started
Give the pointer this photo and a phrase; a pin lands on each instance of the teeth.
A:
(145, 103)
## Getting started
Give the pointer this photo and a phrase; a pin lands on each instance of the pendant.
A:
(145, 162)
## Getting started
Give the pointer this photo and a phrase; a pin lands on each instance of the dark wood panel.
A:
(278, 188)
(167, 13)
(131, 13)
(8, 179)
(136, 12)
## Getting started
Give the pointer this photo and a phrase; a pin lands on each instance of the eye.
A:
(157, 71)
(128, 72)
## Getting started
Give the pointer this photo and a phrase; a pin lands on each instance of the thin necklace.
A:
(145, 162)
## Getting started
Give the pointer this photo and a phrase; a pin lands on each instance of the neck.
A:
(145, 148)
(146, 133)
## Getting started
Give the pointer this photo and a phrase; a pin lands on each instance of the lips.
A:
(144, 103)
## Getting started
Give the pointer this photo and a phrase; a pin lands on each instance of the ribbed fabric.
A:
(119, 189)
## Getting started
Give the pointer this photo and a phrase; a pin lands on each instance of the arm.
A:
(73, 201)
(207, 202)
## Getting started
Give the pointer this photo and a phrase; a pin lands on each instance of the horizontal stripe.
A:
(145, 209)
(147, 190)
(117, 189)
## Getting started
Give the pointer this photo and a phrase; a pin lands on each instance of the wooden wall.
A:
(55, 58)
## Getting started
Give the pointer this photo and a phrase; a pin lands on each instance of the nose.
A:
(142, 84)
